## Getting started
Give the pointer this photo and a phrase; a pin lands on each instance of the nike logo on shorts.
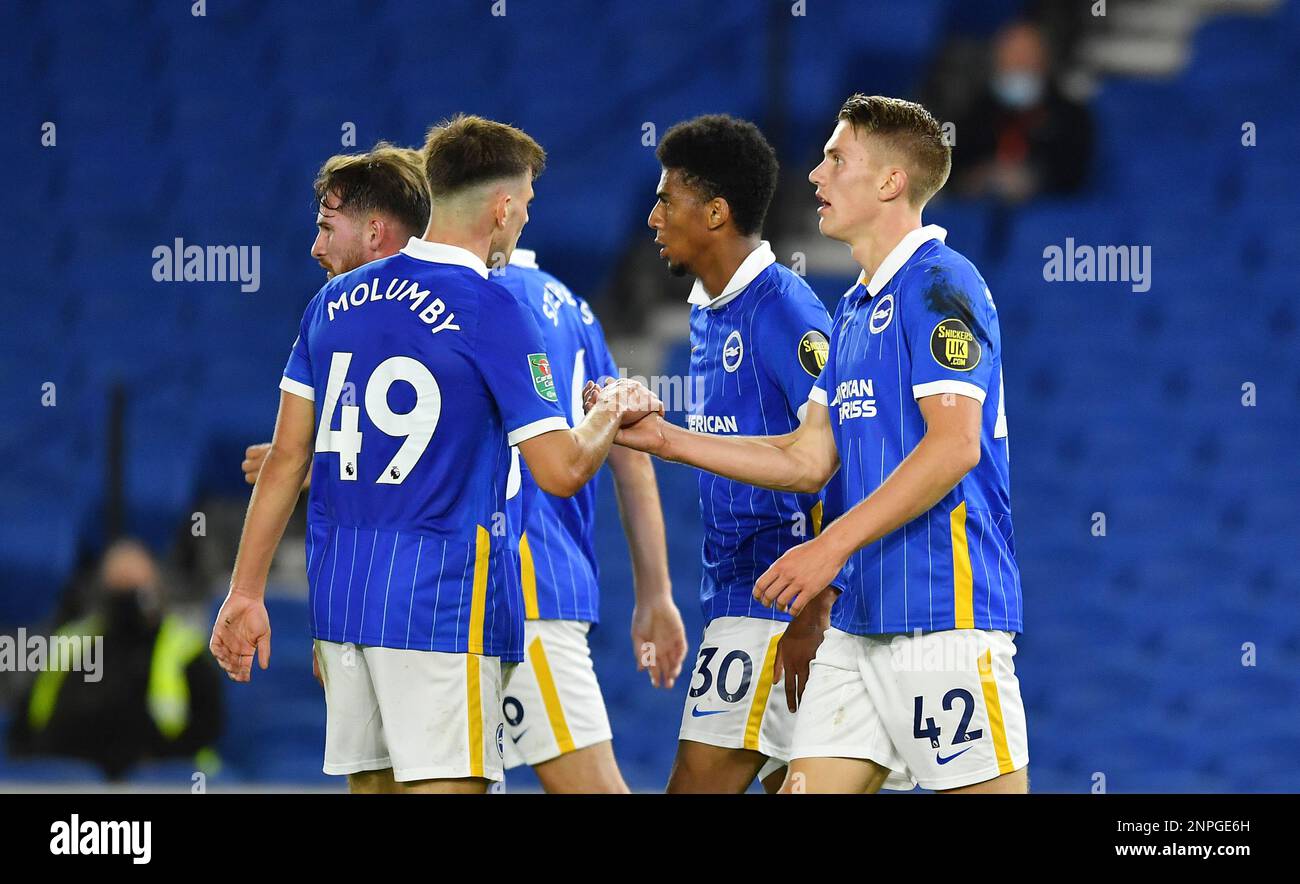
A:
(696, 713)
(939, 758)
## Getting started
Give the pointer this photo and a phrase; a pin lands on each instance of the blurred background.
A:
(1155, 470)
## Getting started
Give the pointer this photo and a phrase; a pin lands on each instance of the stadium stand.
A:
(1121, 403)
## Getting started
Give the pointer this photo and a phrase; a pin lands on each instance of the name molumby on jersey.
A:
(396, 290)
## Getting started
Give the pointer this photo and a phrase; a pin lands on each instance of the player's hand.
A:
(631, 399)
(645, 435)
(242, 628)
(659, 641)
(798, 645)
(255, 457)
(799, 576)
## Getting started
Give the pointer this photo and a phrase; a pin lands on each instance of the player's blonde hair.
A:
(911, 131)
(386, 179)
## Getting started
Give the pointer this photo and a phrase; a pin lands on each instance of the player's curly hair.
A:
(722, 156)
(386, 178)
(468, 150)
(909, 129)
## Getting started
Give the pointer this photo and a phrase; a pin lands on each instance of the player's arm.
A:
(658, 636)
(801, 461)
(949, 450)
(562, 461)
(242, 626)
(254, 457)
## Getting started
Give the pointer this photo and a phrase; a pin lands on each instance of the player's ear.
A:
(717, 212)
(894, 184)
(501, 205)
(375, 232)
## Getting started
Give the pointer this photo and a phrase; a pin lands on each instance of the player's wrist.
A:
(248, 590)
(835, 540)
(669, 436)
(653, 591)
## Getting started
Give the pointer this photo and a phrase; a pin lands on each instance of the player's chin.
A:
(677, 268)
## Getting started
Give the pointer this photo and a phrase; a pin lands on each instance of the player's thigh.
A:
(553, 706)
(951, 702)
(455, 786)
(590, 770)
(733, 702)
(826, 776)
(441, 713)
(772, 775)
(1014, 783)
(840, 740)
(702, 768)
(372, 782)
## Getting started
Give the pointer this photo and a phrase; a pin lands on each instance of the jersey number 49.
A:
(415, 426)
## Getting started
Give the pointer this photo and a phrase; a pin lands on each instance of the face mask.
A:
(126, 610)
(1018, 89)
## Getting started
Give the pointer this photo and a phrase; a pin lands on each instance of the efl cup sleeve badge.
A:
(733, 351)
(543, 380)
(954, 346)
(813, 349)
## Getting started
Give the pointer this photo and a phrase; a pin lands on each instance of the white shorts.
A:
(941, 709)
(553, 705)
(732, 701)
(426, 714)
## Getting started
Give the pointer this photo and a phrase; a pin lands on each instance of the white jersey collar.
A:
(757, 261)
(899, 255)
(442, 253)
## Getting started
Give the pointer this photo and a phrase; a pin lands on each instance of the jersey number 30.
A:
(416, 425)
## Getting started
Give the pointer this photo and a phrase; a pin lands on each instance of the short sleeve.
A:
(794, 341)
(297, 377)
(951, 332)
(512, 358)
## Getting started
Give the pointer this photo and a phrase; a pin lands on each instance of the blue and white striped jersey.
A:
(756, 350)
(422, 372)
(924, 325)
(557, 549)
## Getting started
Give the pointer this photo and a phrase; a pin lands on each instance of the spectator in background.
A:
(1022, 137)
(159, 695)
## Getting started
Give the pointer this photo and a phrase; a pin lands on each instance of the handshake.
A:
(630, 400)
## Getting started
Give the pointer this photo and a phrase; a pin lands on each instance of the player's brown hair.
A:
(386, 179)
(468, 150)
(909, 129)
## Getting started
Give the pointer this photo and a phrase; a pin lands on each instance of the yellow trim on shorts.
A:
(474, 696)
(478, 602)
(550, 696)
(993, 706)
(963, 595)
(528, 577)
(759, 704)
(816, 514)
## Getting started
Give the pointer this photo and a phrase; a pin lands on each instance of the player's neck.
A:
(480, 246)
(717, 266)
(874, 245)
